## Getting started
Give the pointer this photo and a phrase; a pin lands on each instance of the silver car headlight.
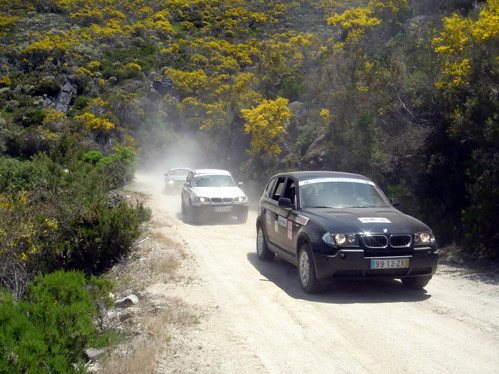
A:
(202, 199)
(422, 238)
(241, 199)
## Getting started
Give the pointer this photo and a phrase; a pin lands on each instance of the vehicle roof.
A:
(211, 171)
(186, 168)
(304, 175)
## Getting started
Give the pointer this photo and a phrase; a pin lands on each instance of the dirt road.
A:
(256, 319)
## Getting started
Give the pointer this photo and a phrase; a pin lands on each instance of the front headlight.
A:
(170, 182)
(425, 237)
(240, 199)
(202, 199)
(339, 239)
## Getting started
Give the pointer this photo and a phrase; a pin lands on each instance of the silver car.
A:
(211, 193)
(175, 178)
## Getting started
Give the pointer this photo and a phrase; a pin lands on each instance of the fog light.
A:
(342, 255)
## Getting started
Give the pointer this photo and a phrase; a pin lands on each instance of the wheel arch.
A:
(302, 239)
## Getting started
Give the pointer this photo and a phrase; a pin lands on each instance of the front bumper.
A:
(352, 263)
(213, 210)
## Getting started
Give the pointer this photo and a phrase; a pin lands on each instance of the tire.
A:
(184, 209)
(306, 270)
(243, 217)
(262, 250)
(194, 215)
(416, 283)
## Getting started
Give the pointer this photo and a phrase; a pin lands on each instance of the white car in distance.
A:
(212, 193)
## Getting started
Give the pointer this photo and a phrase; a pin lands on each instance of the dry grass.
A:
(156, 259)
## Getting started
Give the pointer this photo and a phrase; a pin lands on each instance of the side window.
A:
(279, 188)
(290, 191)
(269, 188)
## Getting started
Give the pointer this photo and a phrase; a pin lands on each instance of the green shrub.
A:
(49, 330)
(93, 157)
(27, 116)
(21, 175)
(121, 166)
(104, 235)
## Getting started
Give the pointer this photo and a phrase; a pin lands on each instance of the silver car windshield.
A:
(214, 181)
(341, 194)
(178, 172)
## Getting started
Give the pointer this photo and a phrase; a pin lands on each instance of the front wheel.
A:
(306, 270)
(243, 217)
(416, 283)
(194, 214)
(262, 249)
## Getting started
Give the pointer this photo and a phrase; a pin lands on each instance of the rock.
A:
(164, 86)
(126, 301)
(64, 97)
(93, 353)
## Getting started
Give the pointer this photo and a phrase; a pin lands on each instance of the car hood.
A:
(218, 192)
(365, 220)
(176, 178)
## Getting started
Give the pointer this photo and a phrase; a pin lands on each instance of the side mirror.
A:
(395, 201)
(240, 184)
(187, 184)
(285, 203)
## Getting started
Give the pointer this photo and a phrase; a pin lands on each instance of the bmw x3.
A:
(335, 225)
(213, 193)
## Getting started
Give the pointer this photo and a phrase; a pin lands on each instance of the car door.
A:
(186, 191)
(285, 217)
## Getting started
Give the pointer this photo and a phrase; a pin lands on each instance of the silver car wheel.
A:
(304, 269)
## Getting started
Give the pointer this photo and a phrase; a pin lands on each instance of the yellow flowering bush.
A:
(266, 123)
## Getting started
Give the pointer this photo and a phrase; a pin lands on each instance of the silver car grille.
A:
(225, 200)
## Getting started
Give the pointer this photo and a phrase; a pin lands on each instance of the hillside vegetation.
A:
(403, 91)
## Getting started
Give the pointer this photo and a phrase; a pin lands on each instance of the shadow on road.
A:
(211, 221)
(285, 276)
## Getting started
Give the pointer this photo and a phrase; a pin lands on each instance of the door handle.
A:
(276, 216)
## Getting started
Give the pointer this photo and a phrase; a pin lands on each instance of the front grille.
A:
(219, 200)
(400, 241)
(375, 241)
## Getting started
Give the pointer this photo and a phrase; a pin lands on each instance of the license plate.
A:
(222, 209)
(390, 263)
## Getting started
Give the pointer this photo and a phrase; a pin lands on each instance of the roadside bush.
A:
(48, 331)
(121, 166)
(21, 175)
(104, 236)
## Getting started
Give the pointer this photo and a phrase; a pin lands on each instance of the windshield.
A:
(214, 181)
(340, 194)
(178, 171)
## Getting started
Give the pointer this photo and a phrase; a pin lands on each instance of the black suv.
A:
(341, 225)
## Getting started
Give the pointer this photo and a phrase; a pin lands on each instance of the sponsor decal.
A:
(322, 180)
(302, 220)
(373, 220)
(267, 217)
(276, 226)
(282, 221)
(290, 229)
